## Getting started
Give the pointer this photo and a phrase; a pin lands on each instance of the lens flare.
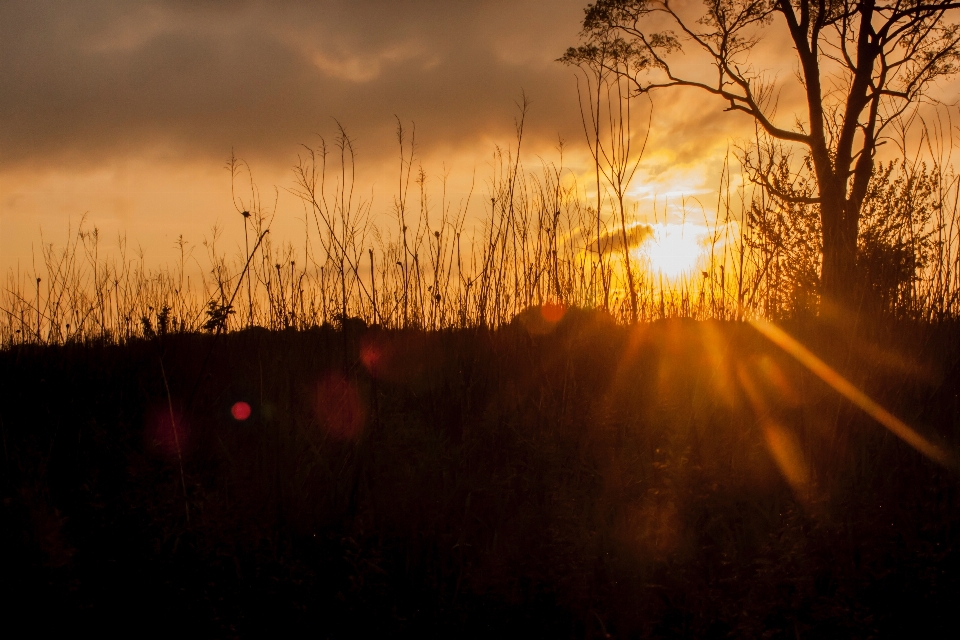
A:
(553, 312)
(541, 320)
(166, 432)
(377, 354)
(339, 407)
(715, 349)
(371, 356)
(240, 411)
(845, 388)
(782, 445)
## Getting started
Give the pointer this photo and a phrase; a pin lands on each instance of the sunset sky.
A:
(128, 110)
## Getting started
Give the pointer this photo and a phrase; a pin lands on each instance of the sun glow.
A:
(673, 250)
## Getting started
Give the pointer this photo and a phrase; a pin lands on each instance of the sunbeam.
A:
(781, 444)
(845, 388)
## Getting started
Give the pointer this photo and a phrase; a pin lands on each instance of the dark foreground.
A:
(678, 479)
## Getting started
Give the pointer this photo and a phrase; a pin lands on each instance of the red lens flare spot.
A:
(541, 320)
(166, 433)
(553, 312)
(401, 357)
(339, 407)
(371, 355)
(379, 356)
(240, 411)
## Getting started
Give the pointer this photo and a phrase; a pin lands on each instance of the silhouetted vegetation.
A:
(862, 68)
(541, 242)
(674, 478)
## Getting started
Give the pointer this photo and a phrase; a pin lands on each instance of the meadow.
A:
(518, 427)
(672, 478)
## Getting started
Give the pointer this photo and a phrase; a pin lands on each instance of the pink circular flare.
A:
(371, 355)
(339, 407)
(553, 313)
(240, 411)
(167, 433)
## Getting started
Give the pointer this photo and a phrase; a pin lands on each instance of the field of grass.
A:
(428, 263)
(675, 478)
(407, 424)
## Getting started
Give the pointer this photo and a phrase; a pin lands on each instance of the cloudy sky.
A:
(127, 111)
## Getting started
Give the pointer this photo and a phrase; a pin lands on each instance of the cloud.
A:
(362, 68)
(129, 108)
(83, 82)
(612, 241)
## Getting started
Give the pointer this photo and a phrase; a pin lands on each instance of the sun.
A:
(673, 250)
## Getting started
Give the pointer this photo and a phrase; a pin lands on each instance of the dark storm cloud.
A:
(83, 81)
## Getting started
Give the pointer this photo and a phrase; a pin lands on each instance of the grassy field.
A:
(227, 447)
(570, 479)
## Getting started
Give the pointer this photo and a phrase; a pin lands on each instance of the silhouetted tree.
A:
(861, 65)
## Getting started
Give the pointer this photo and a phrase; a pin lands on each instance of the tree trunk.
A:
(838, 275)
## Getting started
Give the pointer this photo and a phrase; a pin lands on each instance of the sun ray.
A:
(781, 444)
(845, 388)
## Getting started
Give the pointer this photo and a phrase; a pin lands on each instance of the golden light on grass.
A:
(715, 350)
(845, 388)
(782, 445)
(673, 250)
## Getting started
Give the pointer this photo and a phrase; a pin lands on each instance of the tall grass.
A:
(663, 480)
(542, 238)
